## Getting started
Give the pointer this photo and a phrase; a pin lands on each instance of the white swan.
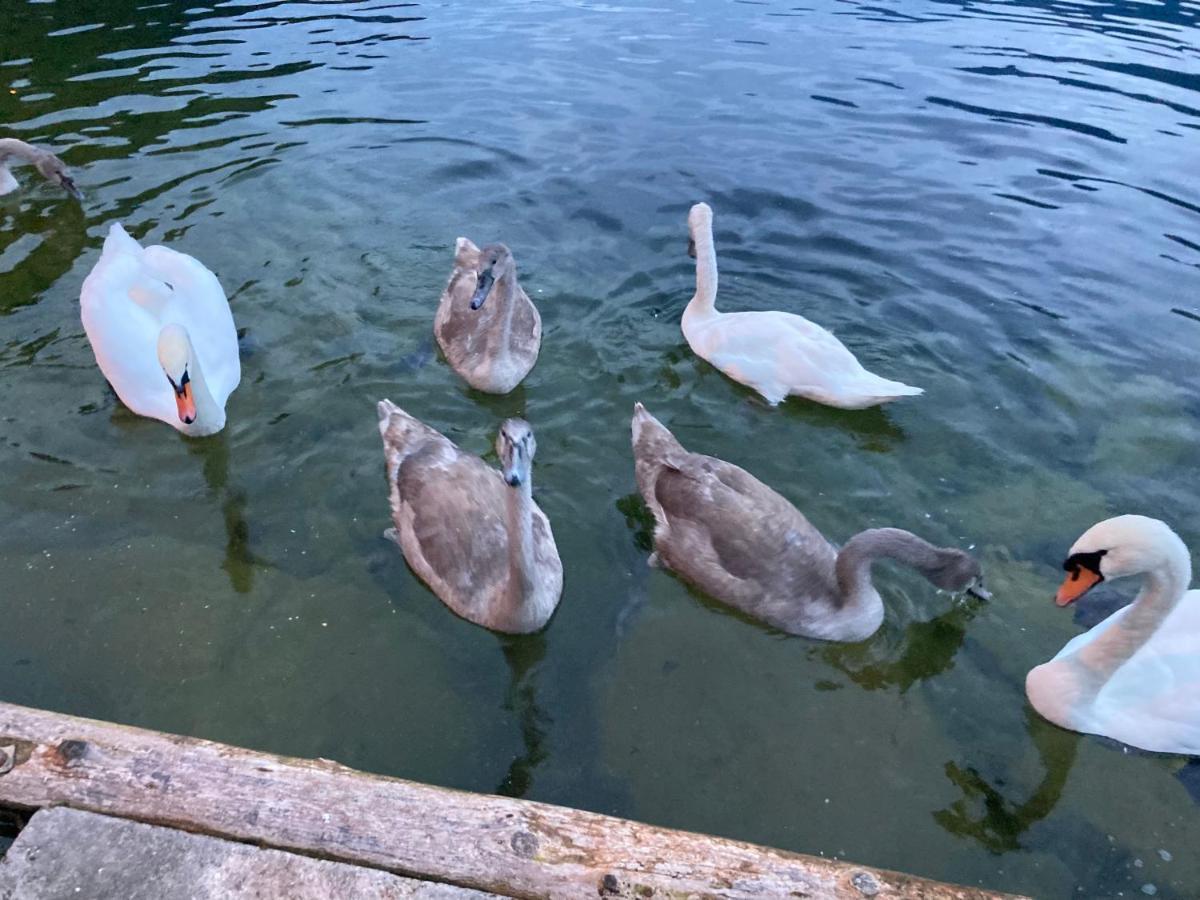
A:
(740, 542)
(1135, 677)
(491, 346)
(48, 165)
(775, 353)
(162, 333)
(471, 533)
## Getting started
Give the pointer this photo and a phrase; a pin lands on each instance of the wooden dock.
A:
(114, 811)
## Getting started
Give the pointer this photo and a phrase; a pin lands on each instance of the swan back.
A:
(486, 325)
(733, 537)
(452, 514)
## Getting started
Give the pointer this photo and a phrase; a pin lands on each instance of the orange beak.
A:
(1075, 585)
(185, 405)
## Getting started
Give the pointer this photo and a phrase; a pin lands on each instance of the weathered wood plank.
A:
(67, 853)
(497, 844)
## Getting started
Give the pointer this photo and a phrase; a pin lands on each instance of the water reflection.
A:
(984, 814)
(240, 562)
(524, 654)
(929, 649)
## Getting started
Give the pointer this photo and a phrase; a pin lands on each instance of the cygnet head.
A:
(1114, 548)
(495, 261)
(55, 171)
(175, 357)
(515, 446)
(957, 571)
(699, 222)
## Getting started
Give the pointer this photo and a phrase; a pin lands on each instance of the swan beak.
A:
(513, 479)
(483, 288)
(692, 247)
(976, 589)
(1075, 585)
(68, 184)
(186, 405)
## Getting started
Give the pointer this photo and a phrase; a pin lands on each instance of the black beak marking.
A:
(483, 287)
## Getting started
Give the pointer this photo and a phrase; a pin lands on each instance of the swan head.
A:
(699, 222)
(55, 171)
(495, 261)
(1114, 548)
(516, 446)
(175, 357)
(957, 571)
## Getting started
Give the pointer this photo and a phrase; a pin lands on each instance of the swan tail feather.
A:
(873, 390)
(119, 242)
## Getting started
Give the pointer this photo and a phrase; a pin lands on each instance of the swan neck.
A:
(853, 566)
(210, 416)
(520, 542)
(705, 298)
(1162, 589)
(509, 283)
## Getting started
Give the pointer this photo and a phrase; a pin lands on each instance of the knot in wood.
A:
(865, 883)
(70, 752)
(609, 886)
(524, 844)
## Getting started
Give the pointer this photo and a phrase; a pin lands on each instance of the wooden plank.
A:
(317, 807)
(66, 852)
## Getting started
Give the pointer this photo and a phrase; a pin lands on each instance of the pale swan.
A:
(734, 538)
(486, 324)
(162, 333)
(775, 353)
(470, 532)
(1135, 677)
(48, 165)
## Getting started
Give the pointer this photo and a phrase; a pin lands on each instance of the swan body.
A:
(1135, 677)
(162, 333)
(775, 353)
(48, 165)
(486, 324)
(737, 540)
(470, 532)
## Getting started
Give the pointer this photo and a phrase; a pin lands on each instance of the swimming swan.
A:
(486, 324)
(471, 533)
(48, 165)
(776, 353)
(737, 540)
(162, 333)
(1135, 677)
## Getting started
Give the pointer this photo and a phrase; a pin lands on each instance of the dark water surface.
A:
(999, 202)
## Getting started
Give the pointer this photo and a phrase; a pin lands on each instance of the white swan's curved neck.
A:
(1161, 591)
(703, 302)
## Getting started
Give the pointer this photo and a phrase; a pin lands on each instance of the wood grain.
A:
(511, 847)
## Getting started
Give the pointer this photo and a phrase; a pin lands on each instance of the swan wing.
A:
(1153, 700)
(124, 333)
(728, 533)
(197, 301)
(453, 528)
(781, 353)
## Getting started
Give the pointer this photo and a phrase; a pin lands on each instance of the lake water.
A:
(996, 201)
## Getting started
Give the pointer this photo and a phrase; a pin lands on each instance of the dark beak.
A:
(977, 590)
(68, 184)
(692, 247)
(483, 288)
(513, 478)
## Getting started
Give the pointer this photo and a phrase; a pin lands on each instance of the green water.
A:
(994, 201)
